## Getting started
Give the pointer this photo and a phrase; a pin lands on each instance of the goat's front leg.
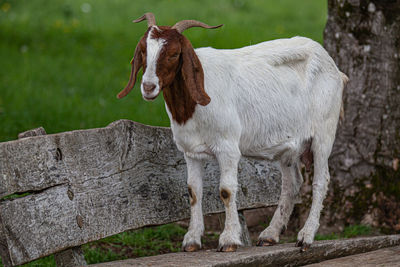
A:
(229, 240)
(192, 240)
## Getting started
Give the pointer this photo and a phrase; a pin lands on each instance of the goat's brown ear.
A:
(136, 65)
(192, 73)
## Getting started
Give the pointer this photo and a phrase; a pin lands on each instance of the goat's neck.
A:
(179, 102)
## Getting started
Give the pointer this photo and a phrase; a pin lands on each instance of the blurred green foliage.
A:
(131, 244)
(350, 232)
(62, 62)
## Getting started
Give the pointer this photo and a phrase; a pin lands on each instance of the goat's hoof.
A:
(266, 242)
(299, 243)
(191, 247)
(227, 248)
(305, 247)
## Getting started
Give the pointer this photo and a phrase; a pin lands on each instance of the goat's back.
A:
(270, 92)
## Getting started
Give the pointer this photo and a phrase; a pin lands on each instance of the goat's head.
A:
(164, 52)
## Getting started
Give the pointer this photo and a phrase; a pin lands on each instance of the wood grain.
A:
(89, 184)
(67, 258)
(279, 255)
(382, 257)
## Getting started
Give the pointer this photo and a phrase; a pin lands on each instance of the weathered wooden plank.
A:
(37, 163)
(95, 183)
(67, 258)
(280, 255)
(382, 257)
(34, 132)
(4, 252)
(70, 257)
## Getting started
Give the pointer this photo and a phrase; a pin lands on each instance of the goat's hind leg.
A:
(192, 239)
(291, 183)
(321, 148)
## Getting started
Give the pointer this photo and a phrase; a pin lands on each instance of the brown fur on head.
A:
(177, 57)
(177, 66)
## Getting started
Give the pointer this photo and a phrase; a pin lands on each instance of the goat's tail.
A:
(345, 80)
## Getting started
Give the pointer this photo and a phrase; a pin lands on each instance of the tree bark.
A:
(363, 37)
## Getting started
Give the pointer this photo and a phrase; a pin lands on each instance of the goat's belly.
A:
(193, 150)
(269, 155)
(200, 155)
(273, 152)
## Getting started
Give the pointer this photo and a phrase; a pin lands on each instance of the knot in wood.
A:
(70, 194)
(79, 221)
(58, 154)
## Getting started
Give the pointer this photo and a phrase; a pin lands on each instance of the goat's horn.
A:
(186, 24)
(151, 21)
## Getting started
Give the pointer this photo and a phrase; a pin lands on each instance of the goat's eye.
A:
(174, 56)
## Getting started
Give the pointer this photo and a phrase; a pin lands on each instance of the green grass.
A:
(61, 68)
(14, 196)
(131, 244)
(349, 232)
(139, 243)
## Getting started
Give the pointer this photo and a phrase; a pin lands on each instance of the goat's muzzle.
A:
(148, 88)
(150, 91)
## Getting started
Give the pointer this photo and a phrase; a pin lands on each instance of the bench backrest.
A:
(89, 184)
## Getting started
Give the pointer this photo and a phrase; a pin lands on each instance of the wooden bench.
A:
(81, 186)
(89, 184)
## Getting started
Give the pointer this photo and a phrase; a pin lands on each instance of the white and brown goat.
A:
(278, 100)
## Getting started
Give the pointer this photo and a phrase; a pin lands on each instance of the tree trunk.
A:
(363, 37)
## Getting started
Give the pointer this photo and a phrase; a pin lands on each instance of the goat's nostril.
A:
(149, 87)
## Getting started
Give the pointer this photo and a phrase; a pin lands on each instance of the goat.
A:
(278, 100)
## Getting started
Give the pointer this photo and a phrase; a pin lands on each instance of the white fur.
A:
(266, 101)
(195, 181)
(154, 47)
